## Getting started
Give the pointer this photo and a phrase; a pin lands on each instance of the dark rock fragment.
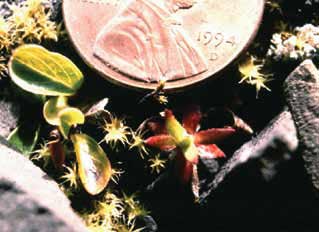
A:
(301, 89)
(280, 132)
(56, 10)
(147, 223)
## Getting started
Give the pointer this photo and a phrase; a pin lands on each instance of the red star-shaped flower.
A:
(188, 142)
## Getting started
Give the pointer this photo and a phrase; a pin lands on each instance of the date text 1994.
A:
(214, 40)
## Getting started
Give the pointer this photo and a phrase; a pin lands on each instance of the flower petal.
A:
(210, 151)
(183, 168)
(213, 135)
(162, 142)
(191, 118)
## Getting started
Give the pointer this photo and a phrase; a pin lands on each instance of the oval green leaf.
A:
(52, 108)
(94, 166)
(68, 117)
(37, 70)
(57, 113)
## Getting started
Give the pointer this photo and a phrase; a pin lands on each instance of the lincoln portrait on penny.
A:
(143, 42)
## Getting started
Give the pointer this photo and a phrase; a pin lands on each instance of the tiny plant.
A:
(250, 71)
(39, 71)
(115, 132)
(70, 177)
(157, 164)
(52, 75)
(138, 142)
(187, 142)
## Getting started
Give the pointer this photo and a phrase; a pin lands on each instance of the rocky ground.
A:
(269, 182)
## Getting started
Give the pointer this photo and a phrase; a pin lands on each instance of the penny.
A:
(137, 43)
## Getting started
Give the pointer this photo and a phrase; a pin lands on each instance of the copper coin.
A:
(136, 43)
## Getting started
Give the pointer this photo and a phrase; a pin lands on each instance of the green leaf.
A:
(52, 108)
(25, 137)
(184, 141)
(189, 149)
(37, 70)
(27, 97)
(68, 117)
(94, 166)
(174, 128)
(57, 113)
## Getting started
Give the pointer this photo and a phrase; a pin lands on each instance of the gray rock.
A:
(31, 201)
(280, 133)
(147, 223)
(301, 89)
(9, 116)
(56, 10)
